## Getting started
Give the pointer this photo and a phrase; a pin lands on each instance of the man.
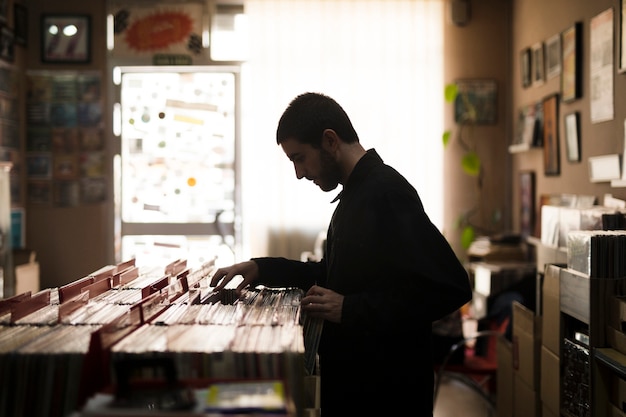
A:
(386, 275)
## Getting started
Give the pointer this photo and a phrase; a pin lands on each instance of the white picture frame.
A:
(572, 136)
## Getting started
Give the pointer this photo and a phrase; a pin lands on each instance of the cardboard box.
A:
(616, 339)
(550, 224)
(26, 271)
(504, 378)
(618, 391)
(546, 412)
(617, 312)
(525, 399)
(312, 392)
(558, 221)
(526, 345)
(574, 290)
(550, 381)
(551, 309)
(550, 255)
(572, 219)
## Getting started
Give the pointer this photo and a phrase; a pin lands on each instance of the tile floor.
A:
(456, 399)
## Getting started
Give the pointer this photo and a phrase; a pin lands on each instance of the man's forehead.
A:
(293, 148)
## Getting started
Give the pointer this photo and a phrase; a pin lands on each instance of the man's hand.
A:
(323, 303)
(249, 270)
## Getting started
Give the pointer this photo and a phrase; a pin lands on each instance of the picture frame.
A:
(7, 44)
(551, 155)
(527, 203)
(553, 56)
(526, 70)
(622, 36)
(572, 136)
(39, 192)
(18, 228)
(481, 94)
(571, 63)
(65, 38)
(538, 64)
(20, 24)
(4, 12)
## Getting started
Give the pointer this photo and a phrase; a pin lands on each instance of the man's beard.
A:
(330, 172)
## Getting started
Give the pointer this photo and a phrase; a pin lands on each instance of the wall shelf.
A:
(522, 147)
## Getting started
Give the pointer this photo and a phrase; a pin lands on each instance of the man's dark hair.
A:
(308, 115)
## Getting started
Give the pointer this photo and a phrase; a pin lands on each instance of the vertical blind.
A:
(381, 60)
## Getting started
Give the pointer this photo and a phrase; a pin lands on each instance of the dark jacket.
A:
(398, 274)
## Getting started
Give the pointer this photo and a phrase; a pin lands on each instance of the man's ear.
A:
(330, 140)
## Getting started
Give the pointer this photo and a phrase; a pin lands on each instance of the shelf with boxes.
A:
(591, 287)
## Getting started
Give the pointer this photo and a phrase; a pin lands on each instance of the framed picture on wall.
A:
(622, 37)
(571, 62)
(538, 64)
(20, 24)
(7, 44)
(551, 156)
(65, 38)
(478, 97)
(572, 136)
(526, 69)
(553, 56)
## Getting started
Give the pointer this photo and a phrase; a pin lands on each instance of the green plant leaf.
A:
(446, 138)
(450, 92)
(471, 164)
(467, 236)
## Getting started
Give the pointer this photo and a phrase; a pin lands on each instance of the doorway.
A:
(176, 172)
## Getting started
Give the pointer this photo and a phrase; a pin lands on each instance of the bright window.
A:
(381, 60)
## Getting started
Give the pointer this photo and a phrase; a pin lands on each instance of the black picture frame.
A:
(526, 67)
(538, 64)
(65, 38)
(621, 68)
(571, 63)
(7, 44)
(20, 24)
(551, 156)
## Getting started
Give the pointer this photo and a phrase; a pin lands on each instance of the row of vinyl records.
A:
(59, 347)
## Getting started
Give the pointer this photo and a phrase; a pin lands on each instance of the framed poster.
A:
(7, 44)
(571, 60)
(526, 60)
(622, 37)
(20, 24)
(551, 157)
(553, 56)
(476, 98)
(572, 136)
(65, 38)
(601, 66)
(538, 64)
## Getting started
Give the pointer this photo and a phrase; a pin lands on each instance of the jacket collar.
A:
(360, 171)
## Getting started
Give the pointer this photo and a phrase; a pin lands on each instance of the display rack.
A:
(589, 365)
